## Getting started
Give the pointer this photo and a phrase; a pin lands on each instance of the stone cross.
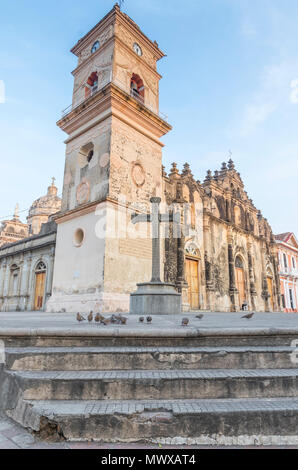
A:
(155, 218)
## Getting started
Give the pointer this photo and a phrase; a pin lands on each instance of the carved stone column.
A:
(21, 265)
(277, 300)
(232, 288)
(265, 291)
(252, 286)
(208, 263)
(27, 299)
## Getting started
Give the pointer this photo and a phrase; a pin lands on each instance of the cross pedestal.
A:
(155, 297)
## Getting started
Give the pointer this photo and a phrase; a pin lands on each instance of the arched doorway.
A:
(240, 280)
(192, 275)
(40, 278)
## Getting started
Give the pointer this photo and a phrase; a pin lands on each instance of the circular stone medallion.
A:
(138, 174)
(83, 192)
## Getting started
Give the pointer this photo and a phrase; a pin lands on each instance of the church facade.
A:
(223, 255)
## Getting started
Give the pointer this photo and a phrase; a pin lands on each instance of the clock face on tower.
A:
(137, 49)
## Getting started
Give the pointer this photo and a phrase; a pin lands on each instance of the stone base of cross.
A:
(155, 297)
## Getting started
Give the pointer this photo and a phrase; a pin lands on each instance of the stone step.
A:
(148, 337)
(126, 358)
(269, 421)
(156, 384)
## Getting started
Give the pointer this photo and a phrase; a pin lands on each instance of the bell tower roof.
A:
(116, 16)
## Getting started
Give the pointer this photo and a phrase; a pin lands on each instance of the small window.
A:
(137, 49)
(285, 261)
(293, 263)
(95, 47)
(238, 262)
(78, 237)
(283, 302)
(41, 267)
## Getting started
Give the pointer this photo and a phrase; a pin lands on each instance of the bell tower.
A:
(113, 163)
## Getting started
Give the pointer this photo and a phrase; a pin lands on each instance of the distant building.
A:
(27, 255)
(288, 270)
(13, 230)
(43, 208)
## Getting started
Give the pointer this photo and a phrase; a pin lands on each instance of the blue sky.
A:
(226, 86)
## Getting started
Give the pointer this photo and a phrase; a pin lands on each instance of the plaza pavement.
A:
(66, 323)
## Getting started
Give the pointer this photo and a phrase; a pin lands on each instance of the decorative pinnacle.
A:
(186, 170)
(231, 165)
(174, 170)
(223, 166)
(208, 176)
(16, 212)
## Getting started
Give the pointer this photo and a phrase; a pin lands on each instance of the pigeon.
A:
(90, 317)
(80, 317)
(185, 321)
(123, 320)
(106, 321)
(149, 319)
(141, 319)
(200, 317)
(248, 316)
(98, 318)
(115, 319)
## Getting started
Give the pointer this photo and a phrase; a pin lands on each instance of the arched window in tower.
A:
(137, 89)
(91, 86)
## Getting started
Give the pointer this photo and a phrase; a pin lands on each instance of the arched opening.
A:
(91, 86)
(85, 154)
(14, 270)
(137, 89)
(192, 258)
(240, 281)
(40, 280)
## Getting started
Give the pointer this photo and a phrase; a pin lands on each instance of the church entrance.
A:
(192, 278)
(240, 280)
(270, 290)
(40, 279)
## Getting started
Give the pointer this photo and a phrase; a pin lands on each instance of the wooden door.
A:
(270, 290)
(192, 277)
(39, 290)
(240, 284)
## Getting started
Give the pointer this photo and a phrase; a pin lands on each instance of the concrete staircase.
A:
(228, 389)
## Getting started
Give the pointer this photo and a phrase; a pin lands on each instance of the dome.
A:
(43, 208)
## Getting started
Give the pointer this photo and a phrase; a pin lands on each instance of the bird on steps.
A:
(185, 321)
(141, 319)
(123, 320)
(200, 316)
(248, 316)
(98, 318)
(149, 319)
(90, 317)
(80, 317)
